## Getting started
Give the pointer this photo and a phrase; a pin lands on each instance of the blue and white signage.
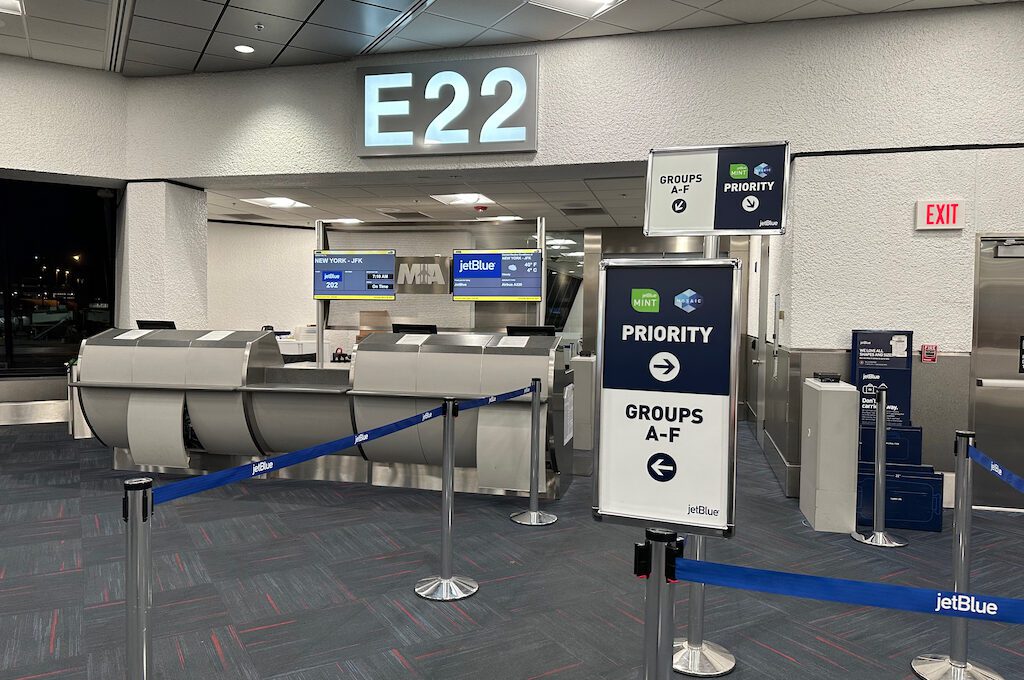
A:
(882, 357)
(497, 275)
(449, 107)
(353, 275)
(667, 353)
(717, 189)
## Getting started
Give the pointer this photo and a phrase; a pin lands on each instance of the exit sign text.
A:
(940, 215)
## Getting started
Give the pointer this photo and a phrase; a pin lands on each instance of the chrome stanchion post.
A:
(695, 656)
(878, 536)
(955, 666)
(659, 617)
(137, 511)
(447, 587)
(534, 517)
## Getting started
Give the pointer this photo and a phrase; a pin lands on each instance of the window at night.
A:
(57, 249)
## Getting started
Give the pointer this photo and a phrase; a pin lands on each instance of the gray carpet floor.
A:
(290, 580)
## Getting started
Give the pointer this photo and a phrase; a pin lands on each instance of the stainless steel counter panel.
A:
(401, 447)
(104, 360)
(290, 420)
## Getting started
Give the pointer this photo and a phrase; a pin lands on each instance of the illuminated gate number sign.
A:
(454, 107)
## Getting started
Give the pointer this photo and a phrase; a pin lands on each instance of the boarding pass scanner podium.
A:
(193, 401)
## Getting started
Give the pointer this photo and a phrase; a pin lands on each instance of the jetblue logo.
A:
(361, 437)
(996, 469)
(965, 603)
(330, 276)
(427, 416)
(491, 400)
(689, 300)
(261, 467)
(478, 266)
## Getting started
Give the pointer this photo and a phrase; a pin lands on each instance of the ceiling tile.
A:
(291, 9)
(12, 26)
(242, 22)
(211, 63)
(67, 54)
(646, 15)
(402, 45)
(927, 4)
(699, 4)
(568, 185)
(198, 13)
(296, 56)
(397, 5)
(395, 190)
(13, 45)
(474, 11)
(437, 30)
(815, 10)
(611, 183)
(138, 69)
(161, 55)
(700, 19)
(538, 22)
(354, 16)
(81, 12)
(554, 197)
(84, 37)
(493, 37)
(344, 192)
(488, 188)
(867, 6)
(331, 40)
(592, 29)
(171, 35)
(223, 45)
(753, 11)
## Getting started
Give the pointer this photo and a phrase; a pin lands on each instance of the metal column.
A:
(955, 666)
(878, 536)
(542, 243)
(659, 618)
(534, 517)
(695, 656)
(321, 305)
(447, 587)
(137, 511)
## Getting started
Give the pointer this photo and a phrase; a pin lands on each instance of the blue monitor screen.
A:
(354, 275)
(483, 275)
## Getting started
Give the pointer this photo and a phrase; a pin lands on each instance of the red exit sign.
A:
(940, 215)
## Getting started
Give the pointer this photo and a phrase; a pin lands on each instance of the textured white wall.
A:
(161, 264)
(915, 78)
(61, 119)
(852, 258)
(260, 275)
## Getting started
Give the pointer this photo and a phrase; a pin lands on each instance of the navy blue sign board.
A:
(668, 342)
(879, 358)
(354, 275)
(702, 190)
(497, 275)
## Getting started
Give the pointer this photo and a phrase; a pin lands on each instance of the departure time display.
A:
(354, 275)
(491, 275)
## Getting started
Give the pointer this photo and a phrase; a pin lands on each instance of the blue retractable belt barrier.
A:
(905, 598)
(496, 399)
(187, 487)
(996, 469)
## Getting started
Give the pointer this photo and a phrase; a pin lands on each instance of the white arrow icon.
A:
(659, 467)
(664, 366)
(750, 203)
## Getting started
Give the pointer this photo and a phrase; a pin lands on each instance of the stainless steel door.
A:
(997, 372)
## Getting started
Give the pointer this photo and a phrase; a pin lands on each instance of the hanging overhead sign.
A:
(700, 190)
(449, 107)
(668, 342)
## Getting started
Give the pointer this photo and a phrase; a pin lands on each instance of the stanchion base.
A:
(533, 519)
(880, 539)
(446, 589)
(707, 661)
(939, 667)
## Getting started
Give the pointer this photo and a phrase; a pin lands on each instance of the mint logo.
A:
(645, 300)
(738, 171)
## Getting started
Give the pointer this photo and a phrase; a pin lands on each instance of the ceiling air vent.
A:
(406, 215)
(583, 212)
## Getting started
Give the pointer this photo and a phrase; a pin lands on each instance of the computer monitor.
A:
(152, 325)
(425, 328)
(548, 331)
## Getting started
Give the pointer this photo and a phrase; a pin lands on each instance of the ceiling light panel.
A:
(10, 7)
(462, 199)
(281, 202)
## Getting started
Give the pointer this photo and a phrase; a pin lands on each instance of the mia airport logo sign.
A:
(450, 107)
(668, 393)
(739, 189)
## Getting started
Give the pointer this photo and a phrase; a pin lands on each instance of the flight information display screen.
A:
(354, 275)
(490, 275)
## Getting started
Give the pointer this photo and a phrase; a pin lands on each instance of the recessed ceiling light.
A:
(276, 202)
(498, 218)
(588, 9)
(462, 199)
(244, 49)
(345, 220)
(578, 253)
(551, 247)
(11, 7)
(561, 242)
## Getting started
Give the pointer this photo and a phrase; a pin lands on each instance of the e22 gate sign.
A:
(702, 190)
(450, 107)
(668, 347)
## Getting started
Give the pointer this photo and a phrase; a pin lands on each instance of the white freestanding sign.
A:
(668, 342)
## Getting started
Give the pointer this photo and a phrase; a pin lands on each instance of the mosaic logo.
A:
(689, 300)
(763, 170)
(645, 300)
